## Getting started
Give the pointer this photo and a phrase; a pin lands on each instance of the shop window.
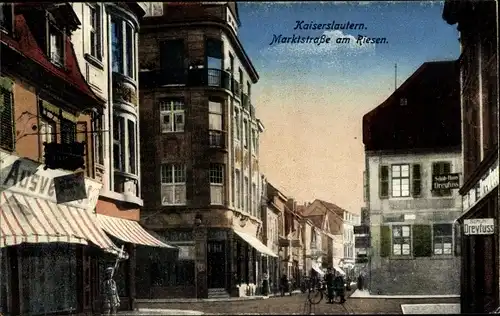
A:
(49, 281)
(401, 240)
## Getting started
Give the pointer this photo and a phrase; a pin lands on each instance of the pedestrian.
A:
(284, 284)
(265, 284)
(110, 298)
(329, 278)
(340, 287)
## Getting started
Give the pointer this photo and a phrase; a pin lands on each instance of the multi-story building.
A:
(340, 222)
(200, 165)
(412, 166)
(274, 214)
(49, 232)
(291, 242)
(362, 241)
(477, 23)
(106, 48)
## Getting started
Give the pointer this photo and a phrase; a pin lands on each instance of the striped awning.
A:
(26, 219)
(256, 244)
(129, 231)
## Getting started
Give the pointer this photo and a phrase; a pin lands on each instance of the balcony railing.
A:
(216, 139)
(196, 77)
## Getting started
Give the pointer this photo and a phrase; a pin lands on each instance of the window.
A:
(95, 31)
(122, 47)
(132, 164)
(217, 184)
(172, 61)
(68, 131)
(215, 123)
(98, 139)
(416, 181)
(400, 180)
(440, 168)
(254, 200)
(6, 120)
(254, 141)
(384, 182)
(249, 89)
(237, 188)
(56, 46)
(6, 14)
(245, 195)
(401, 240)
(118, 134)
(443, 239)
(214, 53)
(173, 184)
(47, 130)
(117, 45)
(236, 124)
(172, 115)
(245, 133)
(129, 50)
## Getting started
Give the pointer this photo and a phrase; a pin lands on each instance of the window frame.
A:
(70, 133)
(400, 178)
(119, 122)
(127, 47)
(217, 180)
(98, 123)
(177, 180)
(59, 34)
(400, 240)
(169, 107)
(95, 30)
(216, 134)
(442, 238)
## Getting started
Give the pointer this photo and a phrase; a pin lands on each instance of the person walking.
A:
(265, 284)
(330, 278)
(284, 284)
(111, 299)
(340, 287)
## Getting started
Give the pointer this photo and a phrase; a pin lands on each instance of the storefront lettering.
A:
(28, 177)
(487, 183)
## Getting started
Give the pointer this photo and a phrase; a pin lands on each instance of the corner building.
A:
(200, 168)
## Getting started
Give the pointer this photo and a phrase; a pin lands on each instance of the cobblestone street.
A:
(295, 305)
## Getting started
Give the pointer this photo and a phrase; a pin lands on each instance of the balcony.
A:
(197, 77)
(216, 139)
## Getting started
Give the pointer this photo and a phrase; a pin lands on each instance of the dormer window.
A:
(6, 17)
(56, 46)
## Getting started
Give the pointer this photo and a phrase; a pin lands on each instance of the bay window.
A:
(217, 184)
(132, 164)
(215, 124)
(123, 47)
(173, 184)
(237, 188)
(118, 135)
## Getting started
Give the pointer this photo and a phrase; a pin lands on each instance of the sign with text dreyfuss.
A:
(446, 181)
(26, 176)
(479, 226)
(485, 185)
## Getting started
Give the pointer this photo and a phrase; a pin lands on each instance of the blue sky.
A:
(312, 98)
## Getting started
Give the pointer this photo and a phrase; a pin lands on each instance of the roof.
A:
(24, 43)
(333, 207)
(429, 119)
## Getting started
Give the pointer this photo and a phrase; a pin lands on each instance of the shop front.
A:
(477, 232)
(46, 247)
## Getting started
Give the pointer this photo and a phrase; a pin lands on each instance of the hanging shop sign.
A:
(485, 185)
(479, 226)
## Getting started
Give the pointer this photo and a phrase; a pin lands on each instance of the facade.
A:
(46, 240)
(106, 46)
(274, 213)
(201, 181)
(411, 214)
(291, 243)
(479, 71)
(362, 242)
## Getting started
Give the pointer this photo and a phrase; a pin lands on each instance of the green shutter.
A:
(385, 241)
(422, 240)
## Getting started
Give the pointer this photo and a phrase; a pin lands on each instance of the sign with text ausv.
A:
(479, 226)
(446, 181)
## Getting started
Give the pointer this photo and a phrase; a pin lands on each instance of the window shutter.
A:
(422, 240)
(416, 181)
(6, 120)
(458, 239)
(385, 241)
(384, 182)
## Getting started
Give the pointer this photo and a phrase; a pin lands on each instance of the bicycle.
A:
(315, 295)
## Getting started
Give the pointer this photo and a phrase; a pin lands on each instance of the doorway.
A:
(216, 263)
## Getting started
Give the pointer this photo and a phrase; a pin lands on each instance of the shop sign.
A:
(28, 177)
(479, 226)
(446, 181)
(487, 183)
